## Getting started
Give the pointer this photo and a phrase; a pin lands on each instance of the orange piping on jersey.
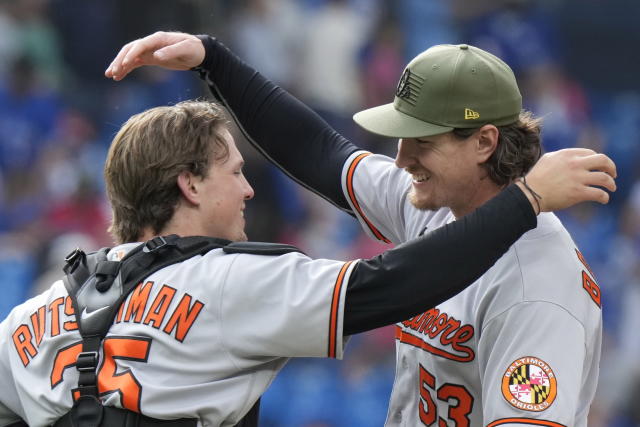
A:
(529, 421)
(352, 197)
(335, 304)
(407, 338)
(183, 317)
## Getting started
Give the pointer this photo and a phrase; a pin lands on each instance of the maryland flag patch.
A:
(529, 384)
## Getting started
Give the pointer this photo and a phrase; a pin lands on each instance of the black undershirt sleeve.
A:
(401, 282)
(287, 132)
(424, 272)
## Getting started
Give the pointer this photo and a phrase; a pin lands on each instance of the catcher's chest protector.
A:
(98, 287)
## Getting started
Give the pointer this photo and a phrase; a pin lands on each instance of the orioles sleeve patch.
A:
(529, 384)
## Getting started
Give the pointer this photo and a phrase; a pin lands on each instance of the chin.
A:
(422, 203)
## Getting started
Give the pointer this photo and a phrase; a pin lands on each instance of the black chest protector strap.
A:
(98, 287)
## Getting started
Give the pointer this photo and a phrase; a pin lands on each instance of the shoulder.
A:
(546, 253)
(249, 257)
(260, 248)
(544, 266)
(377, 167)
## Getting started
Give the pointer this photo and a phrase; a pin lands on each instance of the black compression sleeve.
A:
(283, 129)
(422, 273)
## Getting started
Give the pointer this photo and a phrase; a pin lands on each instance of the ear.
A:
(187, 183)
(487, 142)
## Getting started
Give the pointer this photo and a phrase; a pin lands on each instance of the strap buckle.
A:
(87, 361)
(72, 260)
(155, 244)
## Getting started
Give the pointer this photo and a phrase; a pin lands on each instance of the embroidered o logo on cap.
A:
(529, 384)
(469, 114)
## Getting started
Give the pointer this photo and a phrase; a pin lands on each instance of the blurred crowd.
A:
(58, 115)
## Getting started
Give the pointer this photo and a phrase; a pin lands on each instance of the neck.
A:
(184, 222)
(480, 195)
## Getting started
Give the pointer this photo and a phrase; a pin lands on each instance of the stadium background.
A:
(577, 63)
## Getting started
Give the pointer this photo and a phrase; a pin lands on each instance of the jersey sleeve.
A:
(532, 369)
(539, 350)
(377, 191)
(284, 306)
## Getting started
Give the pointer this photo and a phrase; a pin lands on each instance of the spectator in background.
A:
(330, 72)
(9, 45)
(267, 32)
(38, 40)
(29, 111)
(426, 23)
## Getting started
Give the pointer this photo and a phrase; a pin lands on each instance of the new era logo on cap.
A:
(469, 114)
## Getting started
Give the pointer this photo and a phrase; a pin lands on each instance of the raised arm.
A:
(300, 143)
(279, 126)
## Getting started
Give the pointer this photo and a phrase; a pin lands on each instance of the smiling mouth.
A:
(420, 177)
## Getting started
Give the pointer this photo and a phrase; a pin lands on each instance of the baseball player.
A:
(198, 342)
(519, 347)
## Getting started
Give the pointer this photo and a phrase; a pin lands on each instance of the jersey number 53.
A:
(458, 399)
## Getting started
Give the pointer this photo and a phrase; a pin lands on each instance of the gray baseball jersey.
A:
(521, 346)
(200, 339)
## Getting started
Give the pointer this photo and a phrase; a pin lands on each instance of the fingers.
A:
(176, 51)
(113, 70)
(594, 194)
(597, 169)
(123, 63)
(587, 159)
(144, 45)
(579, 152)
(601, 179)
(131, 55)
(173, 51)
(600, 162)
(566, 177)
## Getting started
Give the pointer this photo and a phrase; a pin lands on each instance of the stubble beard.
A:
(423, 204)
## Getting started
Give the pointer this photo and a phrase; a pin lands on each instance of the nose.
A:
(248, 190)
(405, 156)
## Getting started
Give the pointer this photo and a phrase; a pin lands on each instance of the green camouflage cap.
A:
(447, 87)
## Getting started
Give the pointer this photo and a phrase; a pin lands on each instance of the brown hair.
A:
(517, 151)
(148, 154)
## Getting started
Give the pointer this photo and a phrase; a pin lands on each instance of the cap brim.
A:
(385, 120)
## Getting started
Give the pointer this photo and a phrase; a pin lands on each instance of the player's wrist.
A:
(532, 196)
